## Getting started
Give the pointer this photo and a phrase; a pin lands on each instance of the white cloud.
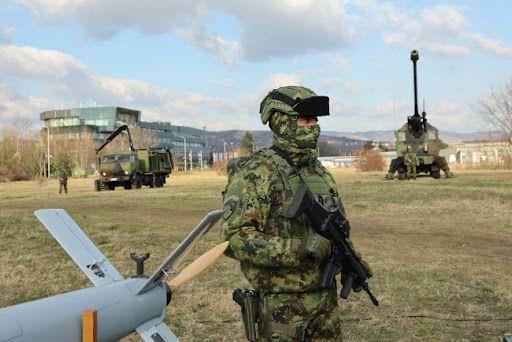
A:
(6, 34)
(442, 21)
(270, 28)
(15, 105)
(277, 29)
(104, 19)
(439, 30)
(225, 52)
(62, 75)
(267, 28)
(394, 39)
(279, 80)
(263, 31)
(493, 46)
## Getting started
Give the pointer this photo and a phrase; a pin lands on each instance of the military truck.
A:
(423, 140)
(134, 168)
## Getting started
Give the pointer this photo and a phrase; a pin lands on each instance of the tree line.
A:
(24, 152)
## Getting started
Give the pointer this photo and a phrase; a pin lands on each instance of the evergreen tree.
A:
(369, 145)
(247, 144)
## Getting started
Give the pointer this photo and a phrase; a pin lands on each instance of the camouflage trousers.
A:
(411, 171)
(63, 185)
(316, 313)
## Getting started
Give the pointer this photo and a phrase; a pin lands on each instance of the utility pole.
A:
(224, 145)
(185, 150)
(48, 155)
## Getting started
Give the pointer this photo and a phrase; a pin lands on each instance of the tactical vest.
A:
(289, 182)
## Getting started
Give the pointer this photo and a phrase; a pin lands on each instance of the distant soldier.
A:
(63, 180)
(411, 160)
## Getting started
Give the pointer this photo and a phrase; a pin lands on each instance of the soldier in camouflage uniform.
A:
(411, 160)
(63, 180)
(282, 259)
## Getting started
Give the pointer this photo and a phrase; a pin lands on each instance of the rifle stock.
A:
(334, 226)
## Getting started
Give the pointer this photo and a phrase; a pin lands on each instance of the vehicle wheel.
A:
(401, 173)
(160, 181)
(127, 185)
(138, 182)
(435, 174)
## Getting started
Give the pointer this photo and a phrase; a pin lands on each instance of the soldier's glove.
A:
(316, 245)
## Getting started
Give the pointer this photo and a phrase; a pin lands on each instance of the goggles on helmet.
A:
(311, 106)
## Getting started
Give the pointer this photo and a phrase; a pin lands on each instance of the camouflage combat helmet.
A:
(294, 101)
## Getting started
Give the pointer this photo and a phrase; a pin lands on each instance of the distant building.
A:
(478, 152)
(342, 161)
(102, 121)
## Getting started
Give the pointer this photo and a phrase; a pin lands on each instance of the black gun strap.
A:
(285, 156)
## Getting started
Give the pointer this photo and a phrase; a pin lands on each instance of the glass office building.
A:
(102, 121)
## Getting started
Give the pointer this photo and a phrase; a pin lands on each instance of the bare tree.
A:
(143, 138)
(20, 150)
(495, 109)
(82, 150)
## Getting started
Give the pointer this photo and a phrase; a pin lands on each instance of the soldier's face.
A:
(307, 121)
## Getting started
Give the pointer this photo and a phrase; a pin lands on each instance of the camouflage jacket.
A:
(411, 158)
(260, 237)
(62, 175)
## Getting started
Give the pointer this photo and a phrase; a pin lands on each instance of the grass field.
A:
(441, 251)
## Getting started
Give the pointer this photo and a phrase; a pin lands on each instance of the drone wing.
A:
(79, 247)
(156, 330)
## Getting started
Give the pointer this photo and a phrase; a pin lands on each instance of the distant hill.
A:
(233, 139)
(389, 136)
(341, 141)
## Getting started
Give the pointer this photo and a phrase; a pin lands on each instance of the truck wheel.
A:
(127, 186)
(435, 174)
(401, 173)
(159, 181)
(138, 182)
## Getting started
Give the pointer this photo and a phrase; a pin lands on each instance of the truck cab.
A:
(119, 169)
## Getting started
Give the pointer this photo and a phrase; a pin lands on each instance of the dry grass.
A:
(440, 251)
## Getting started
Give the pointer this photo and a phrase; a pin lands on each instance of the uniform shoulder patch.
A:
(230, 205)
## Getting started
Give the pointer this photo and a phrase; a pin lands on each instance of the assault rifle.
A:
(333, 225)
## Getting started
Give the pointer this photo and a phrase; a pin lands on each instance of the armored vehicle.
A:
(133, 168)
(422, 138)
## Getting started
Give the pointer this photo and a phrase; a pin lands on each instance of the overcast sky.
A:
(210, 63)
